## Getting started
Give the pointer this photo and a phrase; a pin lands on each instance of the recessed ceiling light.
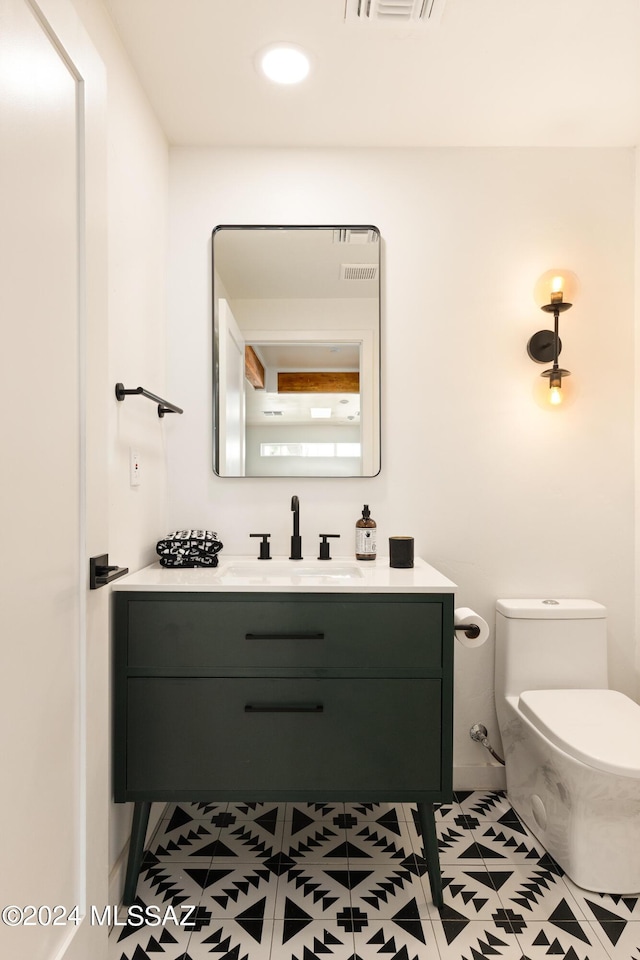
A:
(284, 63)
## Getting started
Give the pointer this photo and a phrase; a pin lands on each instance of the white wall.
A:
(637, 409)
(310, 314)
(505, 495)
(137, 228)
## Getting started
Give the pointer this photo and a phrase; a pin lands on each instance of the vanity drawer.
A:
(238, 737)
(330, 634)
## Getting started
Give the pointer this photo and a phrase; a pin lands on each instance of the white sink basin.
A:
(324, 570)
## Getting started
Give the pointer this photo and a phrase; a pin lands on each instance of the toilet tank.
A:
(550, 645)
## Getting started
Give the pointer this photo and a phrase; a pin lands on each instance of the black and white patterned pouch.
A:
(189, 548)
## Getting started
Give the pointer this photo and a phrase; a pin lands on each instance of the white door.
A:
(231, 415)
(53, 689)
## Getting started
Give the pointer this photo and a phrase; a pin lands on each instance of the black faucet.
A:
(296, 539)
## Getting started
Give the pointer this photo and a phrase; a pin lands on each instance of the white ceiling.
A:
(490, 73)
(305, 263)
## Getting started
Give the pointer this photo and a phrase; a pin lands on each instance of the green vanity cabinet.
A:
(283, 696)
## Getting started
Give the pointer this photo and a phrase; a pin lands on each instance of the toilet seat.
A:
(599, 727)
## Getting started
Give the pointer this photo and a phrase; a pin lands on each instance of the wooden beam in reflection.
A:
(253, 369)
(325, 382)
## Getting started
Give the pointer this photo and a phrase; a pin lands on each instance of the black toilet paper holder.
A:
(471, 630)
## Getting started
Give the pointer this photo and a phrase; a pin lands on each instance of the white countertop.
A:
(246, 574)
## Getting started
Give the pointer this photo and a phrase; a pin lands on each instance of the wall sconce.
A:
(554, 288)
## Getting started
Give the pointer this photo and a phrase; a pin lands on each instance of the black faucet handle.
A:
(324, 546)
(265, 548)
(296, 539)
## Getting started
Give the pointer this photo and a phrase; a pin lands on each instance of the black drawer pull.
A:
(284, 636)
(284, 708)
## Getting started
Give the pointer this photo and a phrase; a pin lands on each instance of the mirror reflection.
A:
(296, 340)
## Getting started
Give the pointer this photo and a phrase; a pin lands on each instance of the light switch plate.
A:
(134, 467)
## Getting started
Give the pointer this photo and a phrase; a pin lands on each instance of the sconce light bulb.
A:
(557, 290)
(555, 375)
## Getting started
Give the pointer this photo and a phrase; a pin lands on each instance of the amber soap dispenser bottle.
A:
(366, 535)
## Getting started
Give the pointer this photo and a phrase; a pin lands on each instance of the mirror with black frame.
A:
(296, 351)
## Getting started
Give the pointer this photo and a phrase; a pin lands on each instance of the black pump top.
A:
(366, 513)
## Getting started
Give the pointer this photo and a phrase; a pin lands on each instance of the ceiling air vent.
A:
(394, 12)
(358, 271)
(355, 235)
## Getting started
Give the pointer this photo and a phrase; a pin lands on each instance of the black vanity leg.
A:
(430, 840)
(141, 812)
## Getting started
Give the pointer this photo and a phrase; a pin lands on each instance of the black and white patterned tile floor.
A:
(339, 881)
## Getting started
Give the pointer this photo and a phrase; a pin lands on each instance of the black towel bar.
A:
(163, 405)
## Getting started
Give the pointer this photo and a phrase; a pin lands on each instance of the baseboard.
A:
(119, 869)
(485, 776)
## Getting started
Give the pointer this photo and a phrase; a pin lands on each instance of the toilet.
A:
(571, 745)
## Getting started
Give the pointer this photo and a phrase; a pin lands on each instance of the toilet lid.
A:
(599, 727)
